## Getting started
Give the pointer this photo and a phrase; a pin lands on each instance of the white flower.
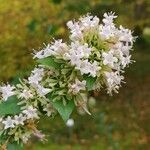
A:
(39, 71)
(125, 35)
(41, 90)
(19, 119)
(76, 31)
(77, 51)
(113, 77)
(7, 91)
(88, 22)
(44, 52)
(94, 68)
(113, 81)
(70, 123)
(109, 59)
(34, 79)
(26, 94)
(36, 76)
(125, 61)
(81, 50)
(86, 67)
(59, 48)
(31, 113)
(108, 18)
(39, 55)
(121, 48)
(77, 86)
(74, 59)
(9, 123)
(106, 31)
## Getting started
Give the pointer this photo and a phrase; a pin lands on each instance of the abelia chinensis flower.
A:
(95, 57)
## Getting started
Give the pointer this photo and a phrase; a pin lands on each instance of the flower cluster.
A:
(95, 57)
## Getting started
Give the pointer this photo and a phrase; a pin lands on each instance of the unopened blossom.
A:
(25, 137)
(31, 112)
(49, 109)
(8, 123)
(70, 123)
(7, 91)
(19, 119)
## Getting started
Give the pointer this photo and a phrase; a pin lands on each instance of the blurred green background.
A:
(121, 122)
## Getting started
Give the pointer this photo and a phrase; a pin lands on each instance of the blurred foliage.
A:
(118, 123)
(25, 25)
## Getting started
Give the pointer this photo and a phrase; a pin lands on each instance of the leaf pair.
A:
(64, 110)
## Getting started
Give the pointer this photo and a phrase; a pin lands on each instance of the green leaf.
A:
(49, 61)
(10, 107)
(14, 146)
(89, 82)
(64, 110)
